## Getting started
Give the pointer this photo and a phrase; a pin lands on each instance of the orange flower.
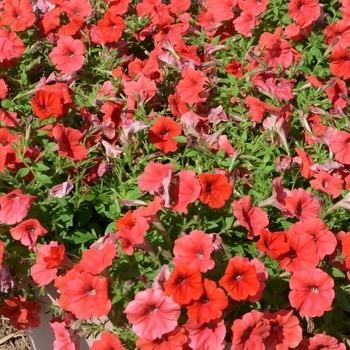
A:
(162, 132)
(68, 140)
(22, 313)
(111, 27)
(215, 189)
(184, 285)
(210, 305)
(18, 15)
(46, 104)
(240, 279)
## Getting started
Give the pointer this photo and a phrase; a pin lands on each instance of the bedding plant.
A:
(179, 169)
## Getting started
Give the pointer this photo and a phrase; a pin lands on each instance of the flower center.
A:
(315, 289)
(238, 277)
(152, 308)
(200, 255)
(92, 291)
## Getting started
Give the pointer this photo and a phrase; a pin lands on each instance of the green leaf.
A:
(342, 298)
(42, 178)
(82, 216)
(337, 273)
(82, 236)
(40, 166)
(22, 172)
(6, 104)
(181, 139)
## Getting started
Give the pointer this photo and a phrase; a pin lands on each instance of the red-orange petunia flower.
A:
(210, 305)
(240, 279)
(340, 146)
(215, 189)
(84, 294)
(28, 232)
(162, 132)
(47, 104)
(68, 140)
(108, 341)
(304, 11)
(194, 250)
(14, 207)
(190, 87)
(252, 218)
(22, 313)
(340, 65)
(273, 244)
(184, 285)
(311, 292)
(111, 27)
(18, 15)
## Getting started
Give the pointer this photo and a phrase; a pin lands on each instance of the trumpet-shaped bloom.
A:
(250, 331)
(252, 218)
(194, 250)
(311, 292)
(174, 340)
(210, 305)
(18, 15)
(162, 132)
(50, 258)
(215, 189)
(285, 330)
(108, 341)
(68, 140)
(240, 279)
(14, 207)
(28, 232)
(206, 336)
(84, 294)
(68, 55)
(184, 284)
(21, 312)
(152, 314)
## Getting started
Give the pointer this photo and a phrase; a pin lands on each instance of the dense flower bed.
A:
(181, 168)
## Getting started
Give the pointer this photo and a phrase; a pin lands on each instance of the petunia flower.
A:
(131, 231)
(174, 340)
(68, 55)
(186, 190)
(190, 87)
(184, 284)
(240, 279)
(162, 132)
(304, 11)
(210, 305)
(108, 341)
(28, 232)
(84, 294)
(327, 183)
(152, 314)
(302, 253)
(339, 145)
(21, 312)
(68, 140)
(14, 207)
(18, 15)
(285, 330)
(252, 218)
(311, 292)
(321, 341)
(63, 339)
(274, 244)
(50, 258)
(250, 331)
(209, 335)
(215, 189)
(111, 27)
(194, 250)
